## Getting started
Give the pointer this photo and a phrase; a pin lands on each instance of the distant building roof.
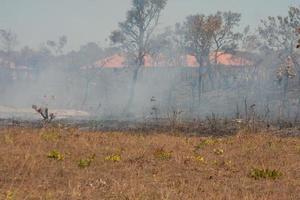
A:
(118, 61)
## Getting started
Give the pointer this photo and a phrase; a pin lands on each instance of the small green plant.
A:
(199, 159)
(50, 136)
(218, 151)
(8, 139)
(10, 195)
(298, 149)
(114, 158)
(162, 154)
(228, 163)
(56, 155)
(203, 143)
(49, 196)
(257, 173)
(84, 163)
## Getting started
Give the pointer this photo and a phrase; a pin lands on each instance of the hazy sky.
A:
(82, 21)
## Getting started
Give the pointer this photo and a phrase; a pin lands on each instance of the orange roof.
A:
(229, 59)
(117, 61)
(191, 61)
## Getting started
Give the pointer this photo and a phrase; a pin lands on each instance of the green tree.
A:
(134, 35)
(205, 35)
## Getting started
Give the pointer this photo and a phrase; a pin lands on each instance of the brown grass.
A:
(138, 166)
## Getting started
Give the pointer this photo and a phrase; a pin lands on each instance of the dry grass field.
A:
(66, 163)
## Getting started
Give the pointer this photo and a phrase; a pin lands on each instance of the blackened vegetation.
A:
(43, 111)
(166, 93)
(298, 44)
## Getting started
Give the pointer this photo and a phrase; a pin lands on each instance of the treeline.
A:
(203, 36)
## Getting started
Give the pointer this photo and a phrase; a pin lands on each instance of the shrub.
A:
(203, 143)
(56, 155)
(257, 173)
(114, 158)
(162, 154)
(50, 136)
(83, 163)
(199, 159)
(8, 139)
(10, 195)
(218, 151)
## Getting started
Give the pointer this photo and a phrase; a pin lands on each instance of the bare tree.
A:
(250, 40)
(298, 44)
(134, 35)
(168, 47)
(58, 46)
(279, 35)
(225, 39)
(8, 41)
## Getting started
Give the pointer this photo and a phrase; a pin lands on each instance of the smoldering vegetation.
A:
(161, 92)
(256, 80)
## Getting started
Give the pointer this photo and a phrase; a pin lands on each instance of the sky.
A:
(82, 21)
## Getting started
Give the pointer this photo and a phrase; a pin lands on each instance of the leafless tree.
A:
(225, 38)
(8, 41)
(250, 40)
(134, 35)
(279, 35)
(298, 44)
(58, 46)
(168, 47)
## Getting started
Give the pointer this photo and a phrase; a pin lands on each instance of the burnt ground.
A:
(206, 127)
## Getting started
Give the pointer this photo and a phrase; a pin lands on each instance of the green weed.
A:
(56, 155)
(86, 162)
(206, 142)
(162, 154)
(218, 151)
(50, 136)
(10, 195)
(257, 173)
(114, 158)
(8, 139)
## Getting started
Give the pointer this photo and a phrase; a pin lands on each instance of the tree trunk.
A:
(298, 77)
(200, 85)
(129, 105)
(86, 92)
(211, 78)
(192, 107)
(139, 62)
